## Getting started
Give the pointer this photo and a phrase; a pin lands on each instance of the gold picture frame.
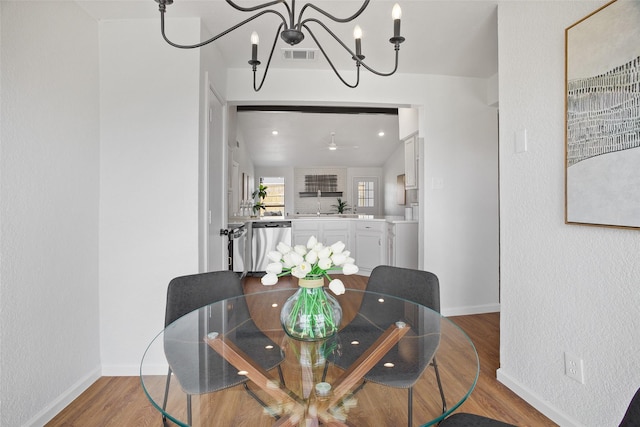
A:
(602, 117)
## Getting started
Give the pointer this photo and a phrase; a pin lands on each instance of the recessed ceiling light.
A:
(274, 132)
(381, 133)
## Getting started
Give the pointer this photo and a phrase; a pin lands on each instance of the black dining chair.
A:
(411, 356)
(188, 293)
(463, 419)
(632, 416)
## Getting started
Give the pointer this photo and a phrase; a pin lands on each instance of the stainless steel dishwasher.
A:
(266, 236)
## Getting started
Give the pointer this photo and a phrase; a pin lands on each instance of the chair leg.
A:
(435, 367)
(357, 389)
(260, 401)
(410, 407)
(166, 397)
(189, 421)
(324, 371)
(281, 375)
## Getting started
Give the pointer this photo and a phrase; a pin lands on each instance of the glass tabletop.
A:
(233, 365)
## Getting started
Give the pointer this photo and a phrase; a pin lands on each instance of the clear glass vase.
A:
(311, 314)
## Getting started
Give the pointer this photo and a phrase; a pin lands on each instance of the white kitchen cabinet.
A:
(411, 162)
(334, 231)
(370, 244)
(302, 230)
(327, 231)
(402, 244)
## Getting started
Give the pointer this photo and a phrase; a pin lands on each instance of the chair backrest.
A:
(188, 293)
(632, 416)
(418, 286)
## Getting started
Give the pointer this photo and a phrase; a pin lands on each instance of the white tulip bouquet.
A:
(310, 314)
(311, 261)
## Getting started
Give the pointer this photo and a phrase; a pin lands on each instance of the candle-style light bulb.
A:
(357, 35)
(396, 14)
(255, 40)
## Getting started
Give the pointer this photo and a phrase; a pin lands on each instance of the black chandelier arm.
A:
(266, 68)
(216, 37)
(352, 53)
(260, 6)
(328, 15)
(290, 11)
(390, 73)
(352, 86)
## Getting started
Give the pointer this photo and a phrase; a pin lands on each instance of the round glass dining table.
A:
(232, 364)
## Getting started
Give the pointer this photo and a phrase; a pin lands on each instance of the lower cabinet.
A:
(370, 244)
(302, 230)
(327, 232)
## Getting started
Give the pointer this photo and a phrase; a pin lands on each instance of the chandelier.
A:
(291, 32)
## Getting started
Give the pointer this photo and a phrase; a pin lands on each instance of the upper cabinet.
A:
(411, 162)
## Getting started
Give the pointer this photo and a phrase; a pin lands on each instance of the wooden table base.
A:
(301, 409)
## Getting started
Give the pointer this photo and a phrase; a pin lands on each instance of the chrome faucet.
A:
(319, 195)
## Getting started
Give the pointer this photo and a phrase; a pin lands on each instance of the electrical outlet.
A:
(574, 368)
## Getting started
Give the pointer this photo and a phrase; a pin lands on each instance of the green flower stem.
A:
(313, 304)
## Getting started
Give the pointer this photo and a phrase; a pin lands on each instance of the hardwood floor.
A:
(120, 401)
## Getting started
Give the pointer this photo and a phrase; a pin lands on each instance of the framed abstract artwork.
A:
(602, 116)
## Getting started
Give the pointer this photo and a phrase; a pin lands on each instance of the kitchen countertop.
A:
(325, 217)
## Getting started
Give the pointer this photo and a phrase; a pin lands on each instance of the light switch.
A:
(437, 183)
(521, 141)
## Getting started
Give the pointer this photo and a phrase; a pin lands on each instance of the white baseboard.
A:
(536, 401)
(472, 309)
(128, 371)
(61, 402)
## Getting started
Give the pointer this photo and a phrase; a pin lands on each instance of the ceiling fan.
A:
(332, 146)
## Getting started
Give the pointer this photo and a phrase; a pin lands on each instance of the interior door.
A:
(215, 255)
(366, 191)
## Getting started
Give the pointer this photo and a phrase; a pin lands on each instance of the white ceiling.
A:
(449, 37)
(303, 138)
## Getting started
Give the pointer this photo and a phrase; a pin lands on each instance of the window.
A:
(274, 202)
(366, 194)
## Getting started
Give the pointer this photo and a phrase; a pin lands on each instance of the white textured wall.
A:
(565, 288)
(461, 153)
(150, 114)
(49, 193)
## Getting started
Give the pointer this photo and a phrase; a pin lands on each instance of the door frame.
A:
(212, 217)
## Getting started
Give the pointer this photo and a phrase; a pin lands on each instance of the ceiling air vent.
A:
(299, 54)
